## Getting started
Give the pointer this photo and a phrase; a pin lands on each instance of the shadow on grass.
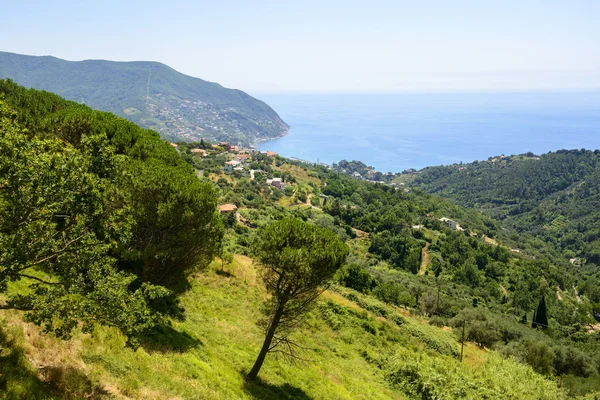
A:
(259, 389)
(166, 339)
(72, 383)
(222, 272)
(18, 379)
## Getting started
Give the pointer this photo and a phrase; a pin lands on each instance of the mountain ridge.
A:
(151, 94)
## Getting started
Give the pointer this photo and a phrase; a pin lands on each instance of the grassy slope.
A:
(347, 349)
(205, 356)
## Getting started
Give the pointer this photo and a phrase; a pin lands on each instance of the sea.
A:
(393, 132)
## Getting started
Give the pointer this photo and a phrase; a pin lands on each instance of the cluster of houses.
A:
(240, 156)
(243, 156)
(447, 221)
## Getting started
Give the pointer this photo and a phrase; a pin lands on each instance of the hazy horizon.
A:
(334, 46)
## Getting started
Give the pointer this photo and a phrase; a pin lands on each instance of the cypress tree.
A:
(540, 318)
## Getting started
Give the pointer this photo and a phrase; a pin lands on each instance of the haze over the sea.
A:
(393, 132)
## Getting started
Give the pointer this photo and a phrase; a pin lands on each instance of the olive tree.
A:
(297, 261)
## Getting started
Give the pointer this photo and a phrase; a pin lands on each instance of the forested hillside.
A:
(133, 268)
(403, 254)
(553, 197)
(152, 95)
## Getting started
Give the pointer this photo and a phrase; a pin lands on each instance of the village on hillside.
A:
(228, 160)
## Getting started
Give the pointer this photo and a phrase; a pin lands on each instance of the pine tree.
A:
(298, 260)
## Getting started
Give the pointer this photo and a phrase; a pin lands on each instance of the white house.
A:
(451, 224)
(230, 165)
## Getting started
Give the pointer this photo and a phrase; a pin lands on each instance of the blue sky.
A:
(338, 46)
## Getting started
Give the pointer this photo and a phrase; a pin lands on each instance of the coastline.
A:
(261, 140)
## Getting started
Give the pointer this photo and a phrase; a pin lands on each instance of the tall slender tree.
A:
(298, 259)
(540, 319)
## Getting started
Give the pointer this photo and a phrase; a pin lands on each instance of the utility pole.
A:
(462, 341)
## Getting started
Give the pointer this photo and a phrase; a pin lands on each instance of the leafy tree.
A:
(298, 259)
(357, 278)
(177, 226)
(58, 222)
(229, 219)
(226, 258)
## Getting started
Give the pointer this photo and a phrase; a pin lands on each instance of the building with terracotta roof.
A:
(243, 158)
(225, 208)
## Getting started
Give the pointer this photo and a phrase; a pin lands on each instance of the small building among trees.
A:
(277, 182)
(227, 208)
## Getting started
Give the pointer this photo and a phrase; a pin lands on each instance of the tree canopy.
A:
(86, 198)
(297, 260)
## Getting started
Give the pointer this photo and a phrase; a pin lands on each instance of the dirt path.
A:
(359, 234)
(425, 260)
(489, 240)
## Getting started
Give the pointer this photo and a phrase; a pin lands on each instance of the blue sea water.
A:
(393, 132)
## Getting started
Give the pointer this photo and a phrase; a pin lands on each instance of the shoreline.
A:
(261, 140)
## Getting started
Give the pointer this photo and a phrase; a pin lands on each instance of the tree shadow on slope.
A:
(18, 380)
(259, 389)
(224, 273)
(166, 339)
(72, 383)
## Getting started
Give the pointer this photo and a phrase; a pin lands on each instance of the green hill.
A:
(119, 278)
(152, 95)
(553, 196)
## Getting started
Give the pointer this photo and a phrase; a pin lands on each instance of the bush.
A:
(438, 321)
(355, 277)
(442, 378)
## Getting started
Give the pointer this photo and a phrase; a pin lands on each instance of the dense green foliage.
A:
(553, 198)
(116, 219)
(150, 94)
(86, 197)
(407, 257)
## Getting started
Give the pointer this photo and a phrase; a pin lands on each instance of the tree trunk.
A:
(267, 343)
(437, 303)
(146, 270)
